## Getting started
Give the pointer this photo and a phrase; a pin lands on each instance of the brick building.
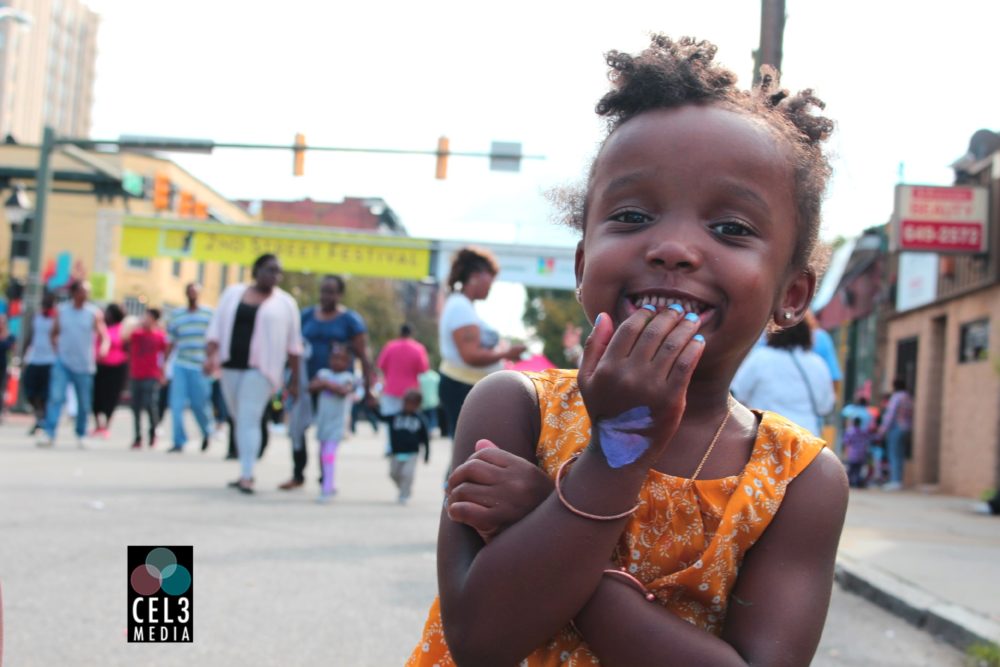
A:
(948, 350)
(367, 214)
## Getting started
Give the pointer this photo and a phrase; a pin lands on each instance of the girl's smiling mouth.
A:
(663, 299)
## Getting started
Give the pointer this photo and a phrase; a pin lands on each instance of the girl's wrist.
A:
(591, 486)
(637, 455)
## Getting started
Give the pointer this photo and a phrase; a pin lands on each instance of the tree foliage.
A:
(546, 312)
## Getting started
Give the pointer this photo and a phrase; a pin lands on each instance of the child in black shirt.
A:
(407, 436)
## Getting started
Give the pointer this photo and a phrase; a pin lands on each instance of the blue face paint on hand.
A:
(620, 439)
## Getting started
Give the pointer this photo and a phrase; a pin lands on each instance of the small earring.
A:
(788, 315)
(579, 295)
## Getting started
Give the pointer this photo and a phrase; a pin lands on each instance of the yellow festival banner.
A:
(309, 250)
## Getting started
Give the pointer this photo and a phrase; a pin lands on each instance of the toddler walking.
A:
(334, 384)
(407, 436)
(856, 441)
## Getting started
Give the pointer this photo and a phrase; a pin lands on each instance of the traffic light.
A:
(161, 192)
(185, 207)
(299, 155)
(441, 171)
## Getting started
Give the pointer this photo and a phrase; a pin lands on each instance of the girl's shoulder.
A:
(556, 385)
(502, 407)
(783, 446)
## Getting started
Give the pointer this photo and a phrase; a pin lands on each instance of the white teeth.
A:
(662, 302)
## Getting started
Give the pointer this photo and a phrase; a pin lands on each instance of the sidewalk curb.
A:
(953, 623)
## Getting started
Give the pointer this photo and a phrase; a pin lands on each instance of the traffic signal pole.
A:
(50, 142)
(33, 290)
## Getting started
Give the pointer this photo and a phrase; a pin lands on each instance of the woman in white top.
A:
(253, 334)
(39, 359)
(470, 349)
(787, 377)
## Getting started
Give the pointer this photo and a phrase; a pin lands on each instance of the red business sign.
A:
(941, 219)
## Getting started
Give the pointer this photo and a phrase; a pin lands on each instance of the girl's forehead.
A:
(690, 147)
(692, 130)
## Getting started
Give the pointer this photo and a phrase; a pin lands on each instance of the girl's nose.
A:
(674, 250)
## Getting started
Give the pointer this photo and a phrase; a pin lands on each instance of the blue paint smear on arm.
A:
(620, 437)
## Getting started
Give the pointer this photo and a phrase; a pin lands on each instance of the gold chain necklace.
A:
(711, 445)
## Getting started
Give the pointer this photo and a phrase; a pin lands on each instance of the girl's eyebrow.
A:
(747, 194)
(627, 180)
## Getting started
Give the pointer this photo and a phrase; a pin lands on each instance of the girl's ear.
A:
(796, 299)
(579, 263)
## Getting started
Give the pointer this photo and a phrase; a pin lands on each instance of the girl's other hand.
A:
(634, 381)
(495, 489)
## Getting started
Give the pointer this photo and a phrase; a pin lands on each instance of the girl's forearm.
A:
(623, 628)
(534, 578)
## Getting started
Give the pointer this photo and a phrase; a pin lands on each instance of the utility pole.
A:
(772, 35)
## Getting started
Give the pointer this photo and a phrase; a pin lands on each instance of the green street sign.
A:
(133, 183)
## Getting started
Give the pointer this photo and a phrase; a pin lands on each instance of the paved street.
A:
(279, 579)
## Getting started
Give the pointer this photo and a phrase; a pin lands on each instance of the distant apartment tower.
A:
(47, 69)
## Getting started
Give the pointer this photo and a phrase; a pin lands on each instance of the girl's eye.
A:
(731, 228)
(631, 217)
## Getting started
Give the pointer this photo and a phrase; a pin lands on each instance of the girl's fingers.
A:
(627, 334)
(672, 344)
(679, 376)
(484, 444)
(476, 494)
(597, 344)
(475, 470)
(655, 335)
(473, 515)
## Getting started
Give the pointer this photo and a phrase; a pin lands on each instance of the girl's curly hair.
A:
(670, 74)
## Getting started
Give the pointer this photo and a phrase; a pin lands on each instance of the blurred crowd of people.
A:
(256, 360)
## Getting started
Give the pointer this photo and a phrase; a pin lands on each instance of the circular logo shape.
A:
(160, 571)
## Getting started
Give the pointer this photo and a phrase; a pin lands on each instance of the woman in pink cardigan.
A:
(253, 335)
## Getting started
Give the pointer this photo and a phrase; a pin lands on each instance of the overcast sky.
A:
(906, 83)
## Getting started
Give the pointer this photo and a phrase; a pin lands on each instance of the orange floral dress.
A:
(685, 542)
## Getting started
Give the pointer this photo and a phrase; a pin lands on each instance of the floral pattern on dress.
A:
(685, 542)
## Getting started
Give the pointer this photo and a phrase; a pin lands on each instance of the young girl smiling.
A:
(634, 513)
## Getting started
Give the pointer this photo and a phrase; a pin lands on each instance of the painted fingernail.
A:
(677, 307)
(597, 320)
(699, 338)
(691, 317)
(650, 307)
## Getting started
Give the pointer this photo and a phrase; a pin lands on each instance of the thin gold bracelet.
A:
(579, 512)
(633, 581)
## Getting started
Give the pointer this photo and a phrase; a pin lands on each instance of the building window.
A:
(175, 268)
(223, 276)
(201, 273)
(974, 342)
(137, 264)
(134, 306)
(243, 274)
